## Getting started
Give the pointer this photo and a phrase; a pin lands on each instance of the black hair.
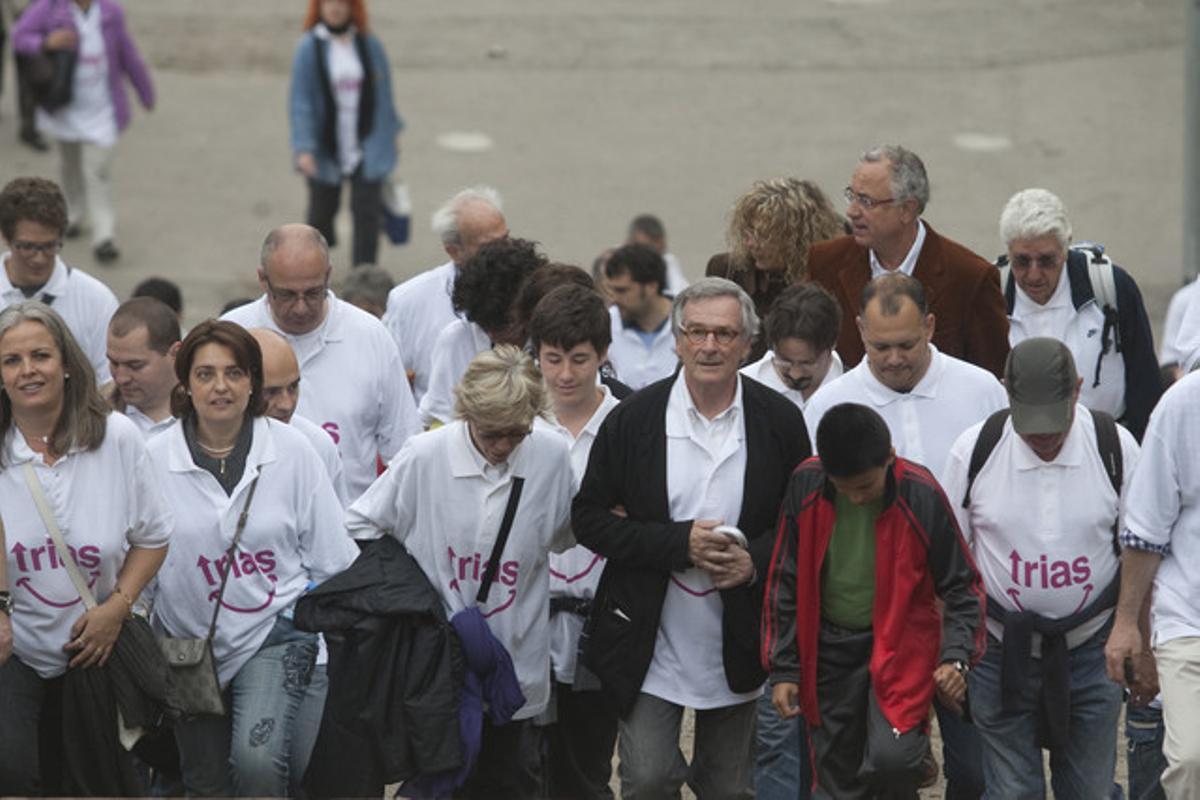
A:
(807, 312)
(642, 264)
(488, 284)
(852, 439)
(161, 289)
(649, 226)
(569, 316)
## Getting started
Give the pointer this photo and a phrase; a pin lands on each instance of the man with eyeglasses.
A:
(1049, 292)
(354, 381)
(885, 200)
(33, 219)
(674, 621)
(801, 329)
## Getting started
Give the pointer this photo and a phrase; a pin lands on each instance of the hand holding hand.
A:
(703, 542)
(731, 567)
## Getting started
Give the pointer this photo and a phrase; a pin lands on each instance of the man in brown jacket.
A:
(886, 197)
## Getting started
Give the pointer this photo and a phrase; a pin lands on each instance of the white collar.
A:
(330, 328)
(686, 417)
(592, 426)
(1023, 304)
(910, 261)
(467, 462)
(57, 285)
(1071, 454)
(882, 395)
(262, 449)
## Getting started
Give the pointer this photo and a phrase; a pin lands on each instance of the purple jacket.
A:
(44, 16)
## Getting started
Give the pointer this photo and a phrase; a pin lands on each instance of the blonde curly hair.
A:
(783, 217)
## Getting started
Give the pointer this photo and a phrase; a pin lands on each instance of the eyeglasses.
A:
(495, 437)
(40, 248)
(288, 297)
(698, 335)
(1043, 260)
(865, 201)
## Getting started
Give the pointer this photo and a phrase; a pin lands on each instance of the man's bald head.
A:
(281, 374)
(294, 270)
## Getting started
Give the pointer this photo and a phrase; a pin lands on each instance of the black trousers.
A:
(857, 753)
(26, 106)
(580, 745)
(366, 210)
(31, 732)
(509, 766)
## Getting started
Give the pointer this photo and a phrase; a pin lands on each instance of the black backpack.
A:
(1108, 442)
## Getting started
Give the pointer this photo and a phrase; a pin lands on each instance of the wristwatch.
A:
(962, 667)
(6, 603)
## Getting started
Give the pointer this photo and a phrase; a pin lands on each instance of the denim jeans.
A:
(782, 770)
(306, 727)
(30, 731)
(1144, 731)
(652, 766)
(246, 753)
(1012, 757)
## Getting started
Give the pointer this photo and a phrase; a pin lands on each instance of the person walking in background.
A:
(343, 121)
(28, 132)
(86, 128)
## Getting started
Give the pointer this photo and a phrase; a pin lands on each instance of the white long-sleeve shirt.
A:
(352, 384)
(417, 310)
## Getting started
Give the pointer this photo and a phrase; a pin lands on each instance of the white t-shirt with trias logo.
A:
(445, 502)
(293, 535)
(104, 501)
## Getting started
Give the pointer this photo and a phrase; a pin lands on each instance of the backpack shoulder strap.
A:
(1108, 442)
(989, 437)
(1104, 286)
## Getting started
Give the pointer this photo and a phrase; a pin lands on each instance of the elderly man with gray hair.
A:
(1078, 296)
(886, 197)
(681, 495)
(420, 307)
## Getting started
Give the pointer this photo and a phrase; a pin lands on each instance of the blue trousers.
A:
(782, 769)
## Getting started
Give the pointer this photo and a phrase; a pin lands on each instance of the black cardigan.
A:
(628, 467)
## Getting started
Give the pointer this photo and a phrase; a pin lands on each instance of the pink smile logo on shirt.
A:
(596, 559)
(690, 590)
(243, 565)
(45, 558)
(27, 584)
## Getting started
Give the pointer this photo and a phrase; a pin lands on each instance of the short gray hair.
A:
(445, 219)
(368, 282)
(707, 289)
(907, 171)
(1033, 213)
(280, 235)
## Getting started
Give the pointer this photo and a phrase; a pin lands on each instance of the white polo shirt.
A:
(575, 573)
(1041, 531)
(1162, 507)
(764, 372)
(951, 397)
(1187, 340)
(323, 444)
(1080, 330)
(456, 345)
(90, 116)
(146, 426)
(104, 501)
(444, 502)
(84, 303)
(352, 384)
(417, 310)
(293, 535)
(638, 364)
(1181, 301)
(706, 471)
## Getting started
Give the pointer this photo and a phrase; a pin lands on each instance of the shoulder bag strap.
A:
(64, 554)
(230, 554)
(493, 565)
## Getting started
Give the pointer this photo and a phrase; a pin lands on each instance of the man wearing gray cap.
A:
(1037, 489)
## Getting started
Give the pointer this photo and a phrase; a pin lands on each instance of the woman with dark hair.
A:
(260, 519)
(60, 439)
(343, 120)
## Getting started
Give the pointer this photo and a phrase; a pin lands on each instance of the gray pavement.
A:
(601, 110)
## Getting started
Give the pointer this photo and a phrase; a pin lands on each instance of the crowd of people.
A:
(478, 532)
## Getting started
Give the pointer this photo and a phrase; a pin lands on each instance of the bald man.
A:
(281, 390)
(354, 384)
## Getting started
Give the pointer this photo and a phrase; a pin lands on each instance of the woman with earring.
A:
(60, 440)
(258, 522)
(343, 121)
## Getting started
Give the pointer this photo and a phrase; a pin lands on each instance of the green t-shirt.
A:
(848, 574)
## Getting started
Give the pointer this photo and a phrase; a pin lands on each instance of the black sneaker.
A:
(106, 252)
(32, 138)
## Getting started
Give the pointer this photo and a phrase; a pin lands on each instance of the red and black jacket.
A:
(920, 556)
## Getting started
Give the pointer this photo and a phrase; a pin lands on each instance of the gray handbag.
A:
(195, 688)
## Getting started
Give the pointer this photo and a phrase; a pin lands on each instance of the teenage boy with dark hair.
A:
(851, 632)
(570, 334)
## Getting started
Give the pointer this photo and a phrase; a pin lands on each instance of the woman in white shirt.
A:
(344, 124)
(93, 468)
(223, 460)
(444, 496)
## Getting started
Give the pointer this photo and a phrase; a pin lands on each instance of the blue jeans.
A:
(1012, 757)
(782, 770)
(962, 755)
(306, 727)
(1144, 731)
(246, 753)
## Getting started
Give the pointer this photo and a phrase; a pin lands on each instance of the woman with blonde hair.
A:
(771, 228)
(445, 497)
(64, 449)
